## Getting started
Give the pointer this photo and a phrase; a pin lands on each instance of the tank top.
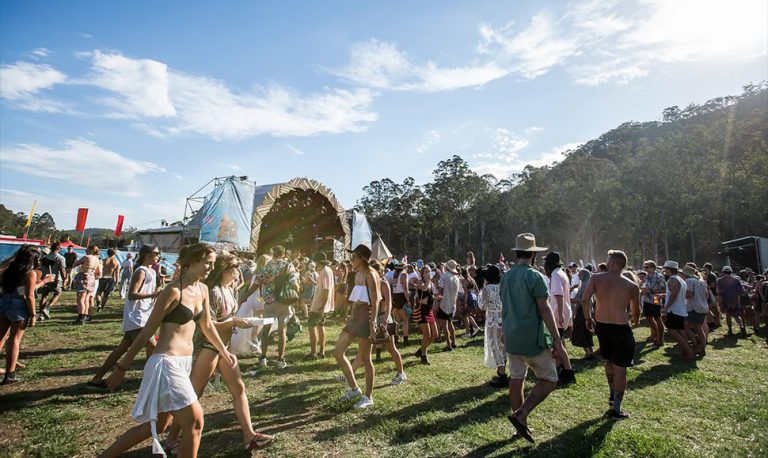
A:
(398, 286)
(678, 306)
(136, 313)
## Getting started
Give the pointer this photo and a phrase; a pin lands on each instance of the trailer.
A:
(746, 252)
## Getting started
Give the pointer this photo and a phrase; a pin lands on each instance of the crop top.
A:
(359, 294)
(181, 314)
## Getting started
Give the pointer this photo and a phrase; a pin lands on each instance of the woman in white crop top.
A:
(364, 303)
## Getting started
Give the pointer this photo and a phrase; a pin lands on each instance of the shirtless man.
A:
(85, 282)
(110, 272)
(613, 293)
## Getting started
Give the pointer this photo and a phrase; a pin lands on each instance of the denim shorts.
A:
(14, 308)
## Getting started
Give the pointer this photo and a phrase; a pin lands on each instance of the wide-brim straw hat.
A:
(671, 265)
(451, 266)
(527, 242)
(689, 271)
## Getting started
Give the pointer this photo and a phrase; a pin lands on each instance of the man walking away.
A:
(108, 280)
(530, 333)
(613, 292)
(52, 264)
(729, 292)
(322, 304)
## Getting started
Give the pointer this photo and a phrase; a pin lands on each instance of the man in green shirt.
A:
(530, 333)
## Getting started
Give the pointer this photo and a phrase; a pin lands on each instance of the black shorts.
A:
(443, 316)
(52, 287)
(676, 322)
(399, 300)
(106, 286)
(651, 309)
(617, 343)
(131, 335)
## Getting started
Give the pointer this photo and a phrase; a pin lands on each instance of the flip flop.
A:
(259, 441)
(522, 430)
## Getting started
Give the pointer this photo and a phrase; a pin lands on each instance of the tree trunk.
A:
(482, 242)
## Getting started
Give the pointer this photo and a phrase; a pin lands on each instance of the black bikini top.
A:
(181, 314)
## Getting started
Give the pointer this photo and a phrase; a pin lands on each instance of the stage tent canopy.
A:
(380, 250)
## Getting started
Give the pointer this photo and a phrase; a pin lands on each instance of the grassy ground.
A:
(715, 407)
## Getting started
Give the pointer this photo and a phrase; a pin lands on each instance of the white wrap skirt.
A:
(166, 387)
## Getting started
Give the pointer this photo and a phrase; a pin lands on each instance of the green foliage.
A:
(672, 189)
(41, 226)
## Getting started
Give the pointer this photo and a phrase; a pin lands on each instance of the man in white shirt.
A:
(448, 286)
(573, 269)
(322, 303)
(560, 303)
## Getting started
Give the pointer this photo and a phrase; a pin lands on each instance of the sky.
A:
(130, 107)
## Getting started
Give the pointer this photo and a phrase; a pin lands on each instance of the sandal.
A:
(259, 441)
(521, 429)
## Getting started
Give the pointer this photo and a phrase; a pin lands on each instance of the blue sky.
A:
(130, 107)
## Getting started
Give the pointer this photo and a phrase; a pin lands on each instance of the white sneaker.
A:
(352, 394)
(364, 403)
(399, 378)
(281, 364)
(263, 361)
(340, 378)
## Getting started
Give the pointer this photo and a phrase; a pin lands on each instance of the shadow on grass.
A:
(65, 350)
(410, 429)
(724, 341)
(659, 373)
(71, 394)
(581, 440)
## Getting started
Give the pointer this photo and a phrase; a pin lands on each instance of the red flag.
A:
(119, 227)
(501, 257)
(82, 215)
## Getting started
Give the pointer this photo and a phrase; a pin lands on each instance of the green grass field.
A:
(715, 407)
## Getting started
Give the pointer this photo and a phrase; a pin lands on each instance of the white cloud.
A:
(108, 170)
(234, 167)
(505, 158)
(142, 85)
(597, 41)
(169, 102)
(40, 52)
(23, 81)
(430, 139)
(381, 65)
(295, 150)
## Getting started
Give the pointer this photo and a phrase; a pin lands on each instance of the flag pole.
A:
(29, 219)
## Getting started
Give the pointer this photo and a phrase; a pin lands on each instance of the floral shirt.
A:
(654, 283)
(267, 275)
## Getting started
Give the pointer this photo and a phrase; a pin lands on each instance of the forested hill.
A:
(669, 189)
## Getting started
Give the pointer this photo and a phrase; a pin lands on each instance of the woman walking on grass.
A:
(364, 302)
(223, 306)
(495, 356)
(142, 291)
(166, 391)
(385, 316)
(85, 283)
(427, 324)
(18, 281)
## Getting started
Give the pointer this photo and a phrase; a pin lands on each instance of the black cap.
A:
(553, 257)
(320, 258)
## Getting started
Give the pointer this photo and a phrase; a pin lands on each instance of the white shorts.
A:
(543, 366)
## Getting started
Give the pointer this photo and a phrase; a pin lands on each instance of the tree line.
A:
(43, 227)
(669, 189)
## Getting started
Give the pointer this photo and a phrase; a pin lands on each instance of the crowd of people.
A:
(192, 323)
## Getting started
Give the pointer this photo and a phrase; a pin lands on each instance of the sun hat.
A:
(527, 242)
(362, 251)
(727, 270)
(690, 271)
(573, 264)
(553, 258)
(320, 258)
(671, 265)
(451, 265)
